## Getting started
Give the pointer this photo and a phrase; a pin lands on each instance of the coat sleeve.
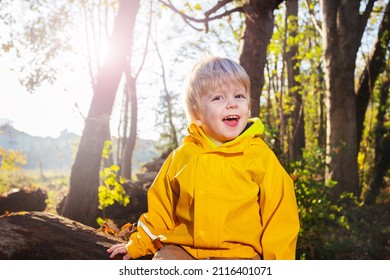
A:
(158, 219)
(278, 211)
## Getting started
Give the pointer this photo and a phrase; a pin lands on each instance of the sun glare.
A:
(47, 112)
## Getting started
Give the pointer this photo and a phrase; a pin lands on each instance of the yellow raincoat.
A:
(233, 200)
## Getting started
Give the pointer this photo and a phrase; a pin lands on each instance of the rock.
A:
(25, 199)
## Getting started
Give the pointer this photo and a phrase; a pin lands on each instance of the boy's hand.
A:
(118, 249)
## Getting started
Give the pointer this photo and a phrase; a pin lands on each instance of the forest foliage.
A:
(349, 226)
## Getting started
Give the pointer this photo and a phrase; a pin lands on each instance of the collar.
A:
(254, 129)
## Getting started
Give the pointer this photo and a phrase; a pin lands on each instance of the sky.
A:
(46, 112)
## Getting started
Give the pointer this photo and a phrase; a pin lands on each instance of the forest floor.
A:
(366, 237)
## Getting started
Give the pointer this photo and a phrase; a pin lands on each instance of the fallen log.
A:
(45, 236)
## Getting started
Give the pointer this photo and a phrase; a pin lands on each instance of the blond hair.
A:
(209, 74)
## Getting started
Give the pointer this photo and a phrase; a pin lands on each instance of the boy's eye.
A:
(215, 98)
(240, 96)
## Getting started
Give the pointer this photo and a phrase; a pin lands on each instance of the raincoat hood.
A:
(254, 129)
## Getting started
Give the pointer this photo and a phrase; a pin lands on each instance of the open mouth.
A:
(231, 120)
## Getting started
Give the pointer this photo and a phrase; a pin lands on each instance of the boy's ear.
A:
(198, 122)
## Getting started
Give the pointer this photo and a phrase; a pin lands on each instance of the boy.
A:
(222, 194)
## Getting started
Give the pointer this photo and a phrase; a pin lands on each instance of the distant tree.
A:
(343, 26)
(381, 167)
(312, 77)
(129, 142)
(167, 113)
(129, 139)
(82, 201)
(293, 103)
(294, 86)
(376, 63)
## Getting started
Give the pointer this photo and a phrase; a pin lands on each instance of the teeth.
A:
(231, 118)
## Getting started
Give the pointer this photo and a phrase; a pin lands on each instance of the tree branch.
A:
(312, 17)
(147, 40)
(188, 19)
(219, 5)
(366, 15)
(185, 17)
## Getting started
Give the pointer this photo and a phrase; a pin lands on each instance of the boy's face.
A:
(224, 112)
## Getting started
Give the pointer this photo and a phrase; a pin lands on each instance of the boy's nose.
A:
(231, 104)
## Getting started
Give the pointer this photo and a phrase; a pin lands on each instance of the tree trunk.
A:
(167, 103)
(382, 145)
(82, 202)
(124, 122)
(321, 113)
(44, 236)
(127, 156)
(294, 86)
(374, 67)
(341, 41)
(258, 29)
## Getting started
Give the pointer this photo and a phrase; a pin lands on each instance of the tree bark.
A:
(130, 142)
(44, 236)
(294, 86)
(258, 29)
(382, 146)
(82, 202)
(375, 66)
(341, 41)
(321, 112)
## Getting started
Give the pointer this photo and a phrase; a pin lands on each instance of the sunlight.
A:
(45, 113)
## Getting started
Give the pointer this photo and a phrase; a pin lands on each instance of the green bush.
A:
(344, 229)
